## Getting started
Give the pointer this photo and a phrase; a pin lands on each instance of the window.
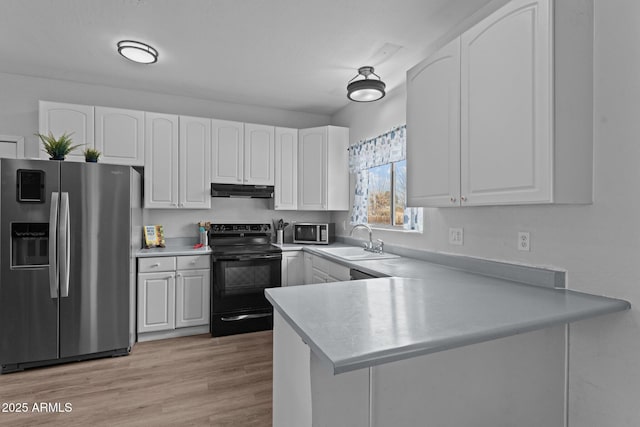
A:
(381, 180)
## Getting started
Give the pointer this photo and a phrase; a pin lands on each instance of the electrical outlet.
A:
(456, 236)
(524, 241)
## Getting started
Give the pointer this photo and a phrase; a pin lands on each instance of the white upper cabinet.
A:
(227, 152)
(11, 147)
(59, 118)
(433, 127)
(517, 141)
(195, 166)
(259, 154)
(506, 115)
(286, 173)
(161, 161)
(323, 169)
(177, 162)
(119, 135)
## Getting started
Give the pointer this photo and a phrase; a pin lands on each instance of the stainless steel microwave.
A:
(314, 233)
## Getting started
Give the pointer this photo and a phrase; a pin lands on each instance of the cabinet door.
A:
(286, 173)
(59, 118)
(195, 166)
(506, 106)
(227, 152)
(120, 136)
(312, 169)
(293, 272)
(308, 268)
(192, 297)
(161, 161)
(156, 301)
(319, 276)
(11, 147)
(433, 129)
(259, 154)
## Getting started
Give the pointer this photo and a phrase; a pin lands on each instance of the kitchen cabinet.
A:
(173, 296)
(193, 285)
(293, 268)
(227, 148)
(433, 129)
(325, 271)
(116, 132)
(242, 153)
(119, 135)
(513, 138)
(323, 169)
(156, 305)
(286, 173)
(11, 147)
(259, 154)
(161, 161)
(59, 118)
(195, 169)
(177, 171)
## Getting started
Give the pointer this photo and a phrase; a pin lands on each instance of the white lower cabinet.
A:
(321, 270)
(156, 301)
(293, 268)
(173, 296)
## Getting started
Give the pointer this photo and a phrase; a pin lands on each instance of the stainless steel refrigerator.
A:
(68, 235)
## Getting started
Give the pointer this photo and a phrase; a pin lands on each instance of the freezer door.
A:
(28, 295)
(94, 280)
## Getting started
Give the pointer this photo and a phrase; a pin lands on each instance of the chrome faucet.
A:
(369, 246)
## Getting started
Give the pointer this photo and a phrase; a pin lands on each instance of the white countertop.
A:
(357, 324)
(174, 247)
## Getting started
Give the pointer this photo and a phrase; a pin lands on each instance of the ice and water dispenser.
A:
(30, 240)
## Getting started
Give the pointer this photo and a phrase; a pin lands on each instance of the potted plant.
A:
(57, 148)
(91, 155)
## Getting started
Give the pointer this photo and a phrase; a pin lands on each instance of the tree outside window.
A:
(387, 189)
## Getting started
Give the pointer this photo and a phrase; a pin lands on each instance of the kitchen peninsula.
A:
(372, 352)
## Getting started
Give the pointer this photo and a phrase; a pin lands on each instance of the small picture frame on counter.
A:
(153, 236)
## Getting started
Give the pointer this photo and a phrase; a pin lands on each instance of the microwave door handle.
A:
(318, 233)
(53, 245)
(65, 244)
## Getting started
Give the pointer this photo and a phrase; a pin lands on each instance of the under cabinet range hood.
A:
(237, 190)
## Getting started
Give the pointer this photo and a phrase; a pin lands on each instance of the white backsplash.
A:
(182, 222)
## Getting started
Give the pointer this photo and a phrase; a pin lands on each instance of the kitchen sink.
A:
(354, 253)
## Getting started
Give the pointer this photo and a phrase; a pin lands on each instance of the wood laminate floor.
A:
(191, 381)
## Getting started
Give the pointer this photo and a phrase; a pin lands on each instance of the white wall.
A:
(19, 97)
(598, 245)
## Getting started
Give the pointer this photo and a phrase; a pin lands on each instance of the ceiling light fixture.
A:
(137, 52)
(366, 89)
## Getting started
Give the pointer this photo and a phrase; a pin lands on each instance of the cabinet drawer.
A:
(150, 265)
(193, 262)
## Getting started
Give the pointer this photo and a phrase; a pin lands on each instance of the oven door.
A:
(239, 281)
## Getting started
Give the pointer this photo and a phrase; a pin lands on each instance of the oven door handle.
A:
(245, 317)
(247, 257)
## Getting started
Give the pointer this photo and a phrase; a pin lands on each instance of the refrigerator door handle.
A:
(65, 240)
(53, 245)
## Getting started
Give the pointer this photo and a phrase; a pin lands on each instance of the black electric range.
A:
(244, 264)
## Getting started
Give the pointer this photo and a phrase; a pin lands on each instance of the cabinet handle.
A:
(453, 199)
(155, 265)
(463, 198)
(179, 275)
(194, 261)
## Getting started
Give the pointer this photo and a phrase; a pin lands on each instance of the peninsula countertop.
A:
(358, 324)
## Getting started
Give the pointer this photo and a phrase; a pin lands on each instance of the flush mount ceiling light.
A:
(137, 52)
(365, 89)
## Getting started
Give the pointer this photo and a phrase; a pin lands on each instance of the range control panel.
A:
(240, 228)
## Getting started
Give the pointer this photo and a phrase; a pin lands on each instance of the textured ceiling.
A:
(291, 54)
